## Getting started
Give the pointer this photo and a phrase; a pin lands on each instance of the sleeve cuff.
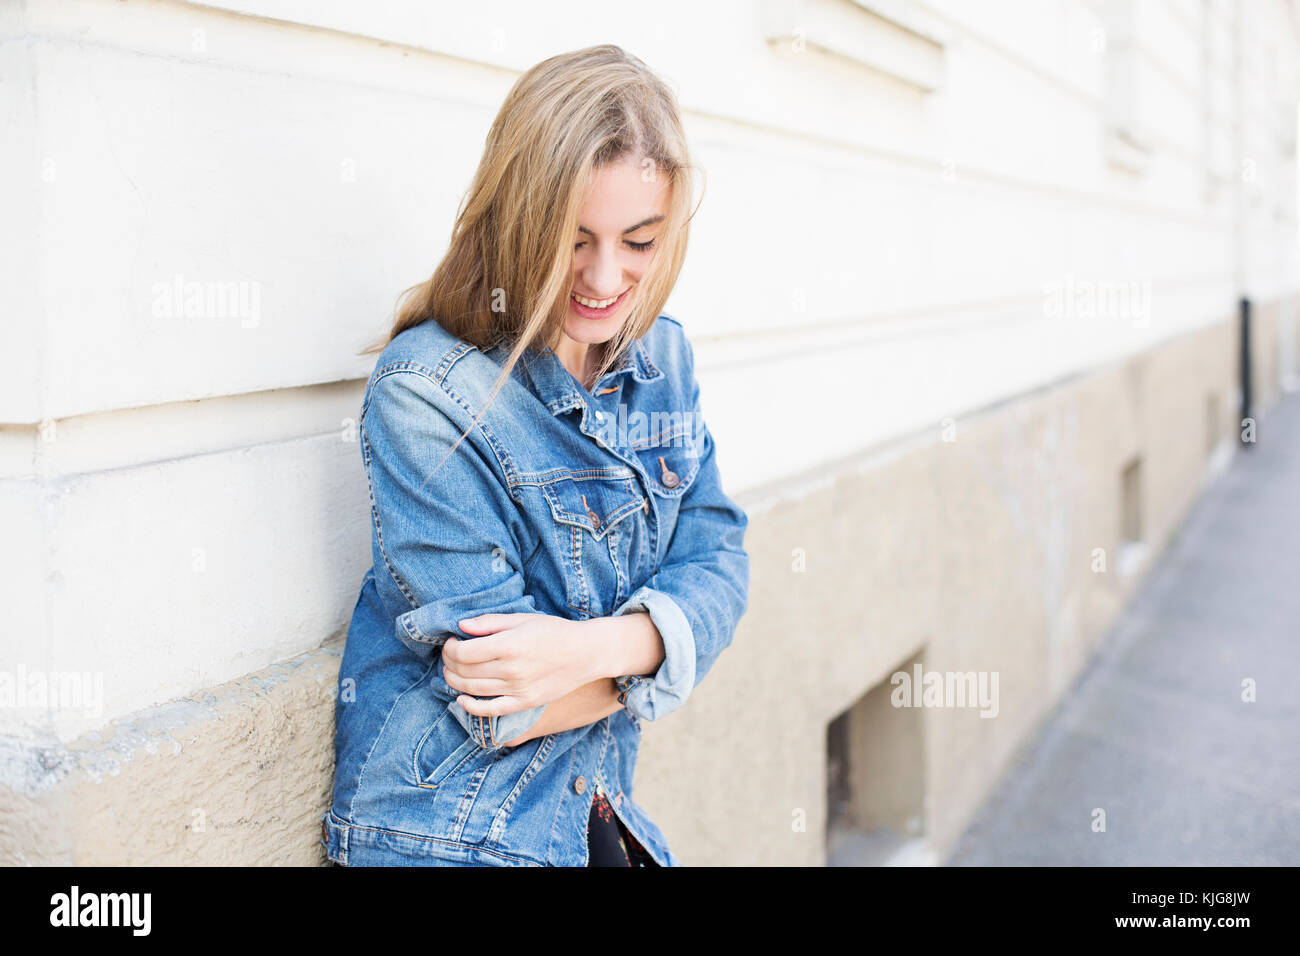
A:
(490, 733)
(651, 698)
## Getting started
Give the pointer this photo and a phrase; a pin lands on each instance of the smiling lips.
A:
(595, 308)
(596, 303)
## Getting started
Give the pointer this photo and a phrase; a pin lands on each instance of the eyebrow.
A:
(640, 225)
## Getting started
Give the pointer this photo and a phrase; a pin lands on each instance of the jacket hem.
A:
(354, 845)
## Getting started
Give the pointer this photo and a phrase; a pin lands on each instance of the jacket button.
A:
(595, 519)
(645, 505)
(580, 785)
(324, 832)
(669, 477)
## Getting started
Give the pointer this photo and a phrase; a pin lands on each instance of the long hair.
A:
(509, 266)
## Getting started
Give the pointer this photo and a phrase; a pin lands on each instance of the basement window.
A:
(875, 784)
(1132, 549)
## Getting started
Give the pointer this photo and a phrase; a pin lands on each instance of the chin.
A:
(581, 331)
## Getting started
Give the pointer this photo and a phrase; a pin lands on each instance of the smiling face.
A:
(619, 226)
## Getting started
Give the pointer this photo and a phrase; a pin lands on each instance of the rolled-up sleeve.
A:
(443, 536)
(699, 593)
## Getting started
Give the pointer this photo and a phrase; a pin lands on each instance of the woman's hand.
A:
(584, 706)
(520, 660)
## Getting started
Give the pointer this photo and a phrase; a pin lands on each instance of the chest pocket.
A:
(672, 463)
(594, 500)
(597, 516)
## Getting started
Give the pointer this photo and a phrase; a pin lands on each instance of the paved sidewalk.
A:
(1155, 732)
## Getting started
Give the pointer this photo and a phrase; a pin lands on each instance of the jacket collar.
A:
(558, 390)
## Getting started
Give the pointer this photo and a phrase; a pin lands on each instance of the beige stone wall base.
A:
(236, 777)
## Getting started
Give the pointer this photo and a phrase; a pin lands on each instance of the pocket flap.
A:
(595, 502)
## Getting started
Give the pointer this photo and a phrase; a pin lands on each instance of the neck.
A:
(579, 358)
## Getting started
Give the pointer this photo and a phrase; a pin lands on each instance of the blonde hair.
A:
(509, 266)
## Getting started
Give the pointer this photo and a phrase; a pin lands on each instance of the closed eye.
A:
(634, 246)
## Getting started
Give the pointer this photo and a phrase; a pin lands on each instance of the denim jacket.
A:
(560, 501)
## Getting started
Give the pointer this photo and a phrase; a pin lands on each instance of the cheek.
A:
(636, 266)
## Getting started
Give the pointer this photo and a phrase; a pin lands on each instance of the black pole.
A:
(1245, 365)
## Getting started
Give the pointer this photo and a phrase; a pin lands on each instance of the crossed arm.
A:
(593, 652)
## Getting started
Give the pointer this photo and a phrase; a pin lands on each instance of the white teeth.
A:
(594, 303)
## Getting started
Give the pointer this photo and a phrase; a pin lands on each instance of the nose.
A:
(602, 273)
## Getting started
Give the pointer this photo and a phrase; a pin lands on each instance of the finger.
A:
(454, 678)
(482, 687)
(493, 707)
(456, 673)
(456, 650)
(499, 668)
(476, 650)
(490, 623)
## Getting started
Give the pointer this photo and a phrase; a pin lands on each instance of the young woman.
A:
(554, 557)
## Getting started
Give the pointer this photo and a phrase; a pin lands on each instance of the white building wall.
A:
(904, 203)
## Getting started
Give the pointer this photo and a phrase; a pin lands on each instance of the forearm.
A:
(619, 646)
(578, 708)
(626, 645)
